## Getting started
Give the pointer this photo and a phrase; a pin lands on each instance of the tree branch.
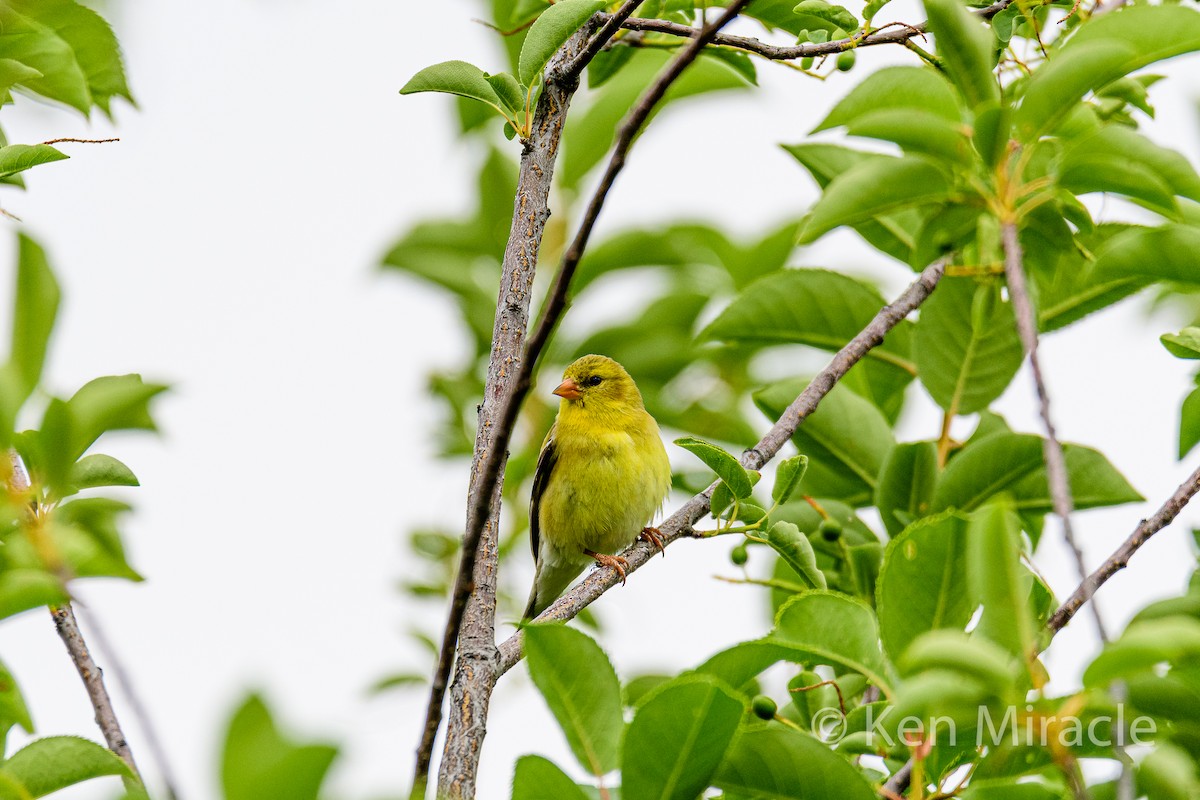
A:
(1056, 464)
(902, 34)
(473, 598)
(679, 524)
(68, 631)
(1120, 557)
(509, 379)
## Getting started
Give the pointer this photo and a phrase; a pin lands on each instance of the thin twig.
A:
(805, 50)
(1120, 558)
(679, 524)
(81, 141)
(68, 631)
(1056, 464)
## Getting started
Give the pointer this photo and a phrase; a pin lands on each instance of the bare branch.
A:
(805, 50)
(1120, 558)
(1056, 464)
(679, 524)
(93, 681)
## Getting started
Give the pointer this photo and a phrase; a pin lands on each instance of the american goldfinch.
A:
(601, 475)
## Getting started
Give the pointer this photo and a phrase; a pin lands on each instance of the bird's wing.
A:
(541, 477)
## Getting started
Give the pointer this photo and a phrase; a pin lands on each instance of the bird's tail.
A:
(548, 583)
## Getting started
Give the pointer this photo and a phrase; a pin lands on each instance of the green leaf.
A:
(259, 762)
(551, 30)
(832, 628)
(1117, 173)
(38, 47)
(1013, 463)
(907, 478)
(966, 345)
(1189, 423)
(821, 309)
(890, 233)
(509, 90)
(787, 477)
(34, 311)
(16, 158)
(100, 470)
(994, 572)
(119, 402)
(917, 132)
(455, 77)
(896, 88)
(582, 691)
(537, 778)
(971, 656)
(23, 589)
(1143, 646)
(1107, 48)
(778, 762)
(820, 15)
(1185, 344)
(46, 765)
(678, 738)
(13, 73)
(1172, 173)
(794, 547)
(92, 43)
(13, 710)
(1166, 253)
(874, 188)
(1168, 772)
(727, 467)
(921, 586)
(966, 47)
(846, 440)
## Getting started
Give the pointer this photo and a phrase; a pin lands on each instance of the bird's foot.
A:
(616, 562)
(654, 536)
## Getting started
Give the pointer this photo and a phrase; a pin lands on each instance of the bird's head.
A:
(597, 383)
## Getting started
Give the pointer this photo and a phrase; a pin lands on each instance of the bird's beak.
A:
(568, 390)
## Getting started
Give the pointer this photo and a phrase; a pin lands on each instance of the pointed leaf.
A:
(1189, 423)
(678, 738)
(46, 765)
(834, 629)
(794, 547)
(1167, 252)
(966, 46)
(537, 778)
(34, 312)
(892, 88)
(100, 470)
(921, 586)
(906, 483)
(550, 32)
(778, 762)
(454, 77)
(966, 345)
(874, 188)
(582, 691)
(259, 762)
(16, 158)
(994, 570)
(727, 467)
(38, 47)
(1185, 344)
(787, 477)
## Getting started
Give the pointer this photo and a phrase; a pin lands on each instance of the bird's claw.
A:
(619, 563)
(654, 536)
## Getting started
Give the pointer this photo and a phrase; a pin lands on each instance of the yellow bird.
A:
(601, 476)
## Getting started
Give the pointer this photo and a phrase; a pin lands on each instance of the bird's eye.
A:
(592, 381)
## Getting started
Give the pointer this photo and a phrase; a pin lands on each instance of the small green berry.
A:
(806, 62)
(845, 60)
(739, 555)
(830, 530)
(764, 707)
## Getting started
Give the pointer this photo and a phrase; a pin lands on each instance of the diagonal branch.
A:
(901, 34)
(1056, 464)
(679, 524)
(1120, 558)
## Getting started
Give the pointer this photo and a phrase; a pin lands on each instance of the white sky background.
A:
(228, 245)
